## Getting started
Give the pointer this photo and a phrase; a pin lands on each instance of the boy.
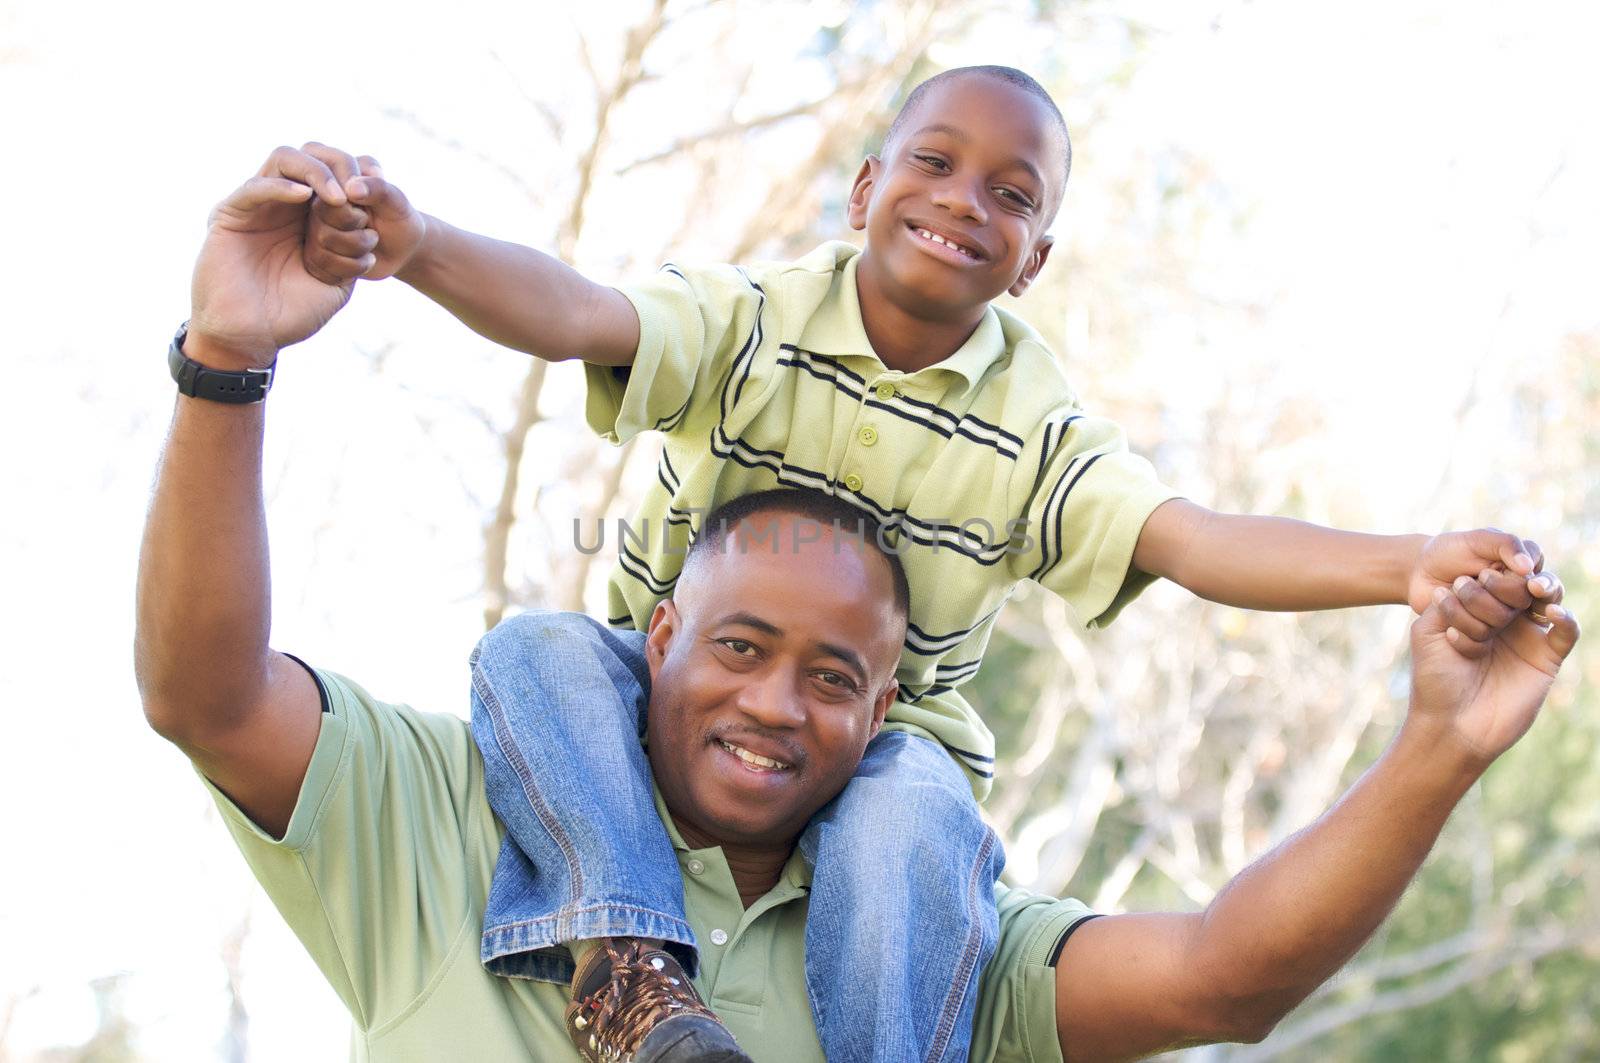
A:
(886, 378)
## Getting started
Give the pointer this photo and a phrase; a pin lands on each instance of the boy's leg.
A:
(558, 703)
(902, 917)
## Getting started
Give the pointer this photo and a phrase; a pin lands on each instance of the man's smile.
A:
(755, 761)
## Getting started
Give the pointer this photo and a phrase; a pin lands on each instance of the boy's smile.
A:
(941, 241)
(956, 209)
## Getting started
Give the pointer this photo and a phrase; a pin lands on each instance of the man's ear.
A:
(880, 706)
(1041, 251)
(861, 192)
(664, 624)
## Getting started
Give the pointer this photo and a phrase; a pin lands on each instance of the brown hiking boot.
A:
(632, 1003)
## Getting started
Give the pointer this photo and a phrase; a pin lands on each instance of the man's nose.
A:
(772, 699)
(964, 199)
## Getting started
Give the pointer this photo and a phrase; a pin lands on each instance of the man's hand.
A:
(1484, 694)
(1447, 557)
(251, 293)
(375, 234)
(1131, 985)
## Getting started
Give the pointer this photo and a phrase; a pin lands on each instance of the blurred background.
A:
(1329, 261)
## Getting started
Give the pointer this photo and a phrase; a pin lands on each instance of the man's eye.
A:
(837, 679)
(739, 646)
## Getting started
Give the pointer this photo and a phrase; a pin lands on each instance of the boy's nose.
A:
(962, 199)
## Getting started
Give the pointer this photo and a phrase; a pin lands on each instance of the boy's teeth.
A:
(936, 238)
(752, 758)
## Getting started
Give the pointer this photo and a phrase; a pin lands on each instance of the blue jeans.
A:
(901, 919)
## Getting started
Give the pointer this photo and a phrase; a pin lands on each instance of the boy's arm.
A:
(1128, 986)
(522, 298)
(513, 295)
(1282, 564)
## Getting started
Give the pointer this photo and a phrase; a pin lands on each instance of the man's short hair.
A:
(826, 510)
(1008, 74)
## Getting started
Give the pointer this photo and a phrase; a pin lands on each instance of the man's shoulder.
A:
(404, 757)
(349, 698)
(1016, 1013)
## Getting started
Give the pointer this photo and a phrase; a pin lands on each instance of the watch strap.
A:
(218, 385)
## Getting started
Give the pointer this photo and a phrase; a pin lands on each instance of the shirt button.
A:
(719, 936)
(852, 482)
(869, 436)
(697, 867)
(884, 390)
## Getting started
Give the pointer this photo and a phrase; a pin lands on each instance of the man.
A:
(769, 672)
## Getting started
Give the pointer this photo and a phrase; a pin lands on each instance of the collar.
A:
(835, 327)
(793, 879)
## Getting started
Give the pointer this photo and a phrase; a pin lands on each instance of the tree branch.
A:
(533, 194)
(1479, 966)
(737, 128)
(497, 535)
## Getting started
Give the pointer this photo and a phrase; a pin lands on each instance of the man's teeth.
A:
(754, 759)
(936, 238)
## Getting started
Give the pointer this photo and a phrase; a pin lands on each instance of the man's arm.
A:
(1128, 986)
(247, 716)
(1282, 564)
(513, 295)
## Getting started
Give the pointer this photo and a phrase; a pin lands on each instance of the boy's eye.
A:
(932, 160)
(1015, 196)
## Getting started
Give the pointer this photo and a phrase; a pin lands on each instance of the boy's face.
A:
(980, 164)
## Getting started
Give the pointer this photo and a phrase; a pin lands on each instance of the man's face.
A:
(980, 163)
(771, 668)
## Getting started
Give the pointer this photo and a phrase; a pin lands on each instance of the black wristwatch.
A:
(218, 385)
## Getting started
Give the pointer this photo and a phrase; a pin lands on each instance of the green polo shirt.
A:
(385, 867)
(984, 465)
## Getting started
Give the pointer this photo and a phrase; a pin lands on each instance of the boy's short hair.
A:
(826, 510)
(1009, 74)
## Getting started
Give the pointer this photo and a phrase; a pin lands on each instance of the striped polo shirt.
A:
(983, 466)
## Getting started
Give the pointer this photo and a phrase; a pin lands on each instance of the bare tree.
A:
(864, 87)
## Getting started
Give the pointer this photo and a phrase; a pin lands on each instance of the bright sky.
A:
(1420, 192)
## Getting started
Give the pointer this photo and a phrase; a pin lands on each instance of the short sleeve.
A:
(694, 325)
(1088, 503)
(1015, 1021)
(375, 870)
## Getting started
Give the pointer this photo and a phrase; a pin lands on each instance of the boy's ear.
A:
(861, 192)
(1035, 263)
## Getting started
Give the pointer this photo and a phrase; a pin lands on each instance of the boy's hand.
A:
(1445, 558)
(1474, 611)
(375, 234)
